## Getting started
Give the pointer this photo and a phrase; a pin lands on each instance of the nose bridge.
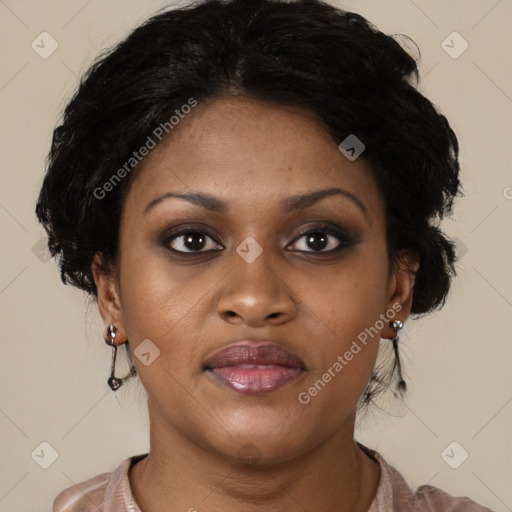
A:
(256, 269)
(253, 290)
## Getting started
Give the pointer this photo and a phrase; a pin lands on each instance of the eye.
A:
(192, 241)
(321, 239)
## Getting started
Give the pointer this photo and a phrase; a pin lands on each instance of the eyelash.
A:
(345, 240)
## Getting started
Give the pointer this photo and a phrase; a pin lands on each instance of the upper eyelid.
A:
(321, 226)
(338, 232)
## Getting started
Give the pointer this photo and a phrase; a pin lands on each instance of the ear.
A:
(108, 296)
(401, 286)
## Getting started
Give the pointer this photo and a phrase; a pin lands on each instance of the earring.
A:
(396, 325)
(115, 382)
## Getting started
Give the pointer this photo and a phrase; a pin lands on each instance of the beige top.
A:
(110, 492)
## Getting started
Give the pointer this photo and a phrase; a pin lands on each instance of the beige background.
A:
(54, 364)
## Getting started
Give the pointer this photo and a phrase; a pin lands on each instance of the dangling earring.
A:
(396, 325)
(115, 382)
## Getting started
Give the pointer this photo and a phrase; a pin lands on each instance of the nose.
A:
(256, 295)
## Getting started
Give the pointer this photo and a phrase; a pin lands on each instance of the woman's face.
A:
(244, 259)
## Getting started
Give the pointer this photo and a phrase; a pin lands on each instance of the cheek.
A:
(155, 292)
(352, 295)
(344, 319)
(159, 303)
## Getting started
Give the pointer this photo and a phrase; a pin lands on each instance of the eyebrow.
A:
(290, 204)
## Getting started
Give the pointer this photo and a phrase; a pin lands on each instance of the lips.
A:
(253, 353)
(254, 368)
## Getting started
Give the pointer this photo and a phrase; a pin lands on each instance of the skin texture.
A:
(213, 448)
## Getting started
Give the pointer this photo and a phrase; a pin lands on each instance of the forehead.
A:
(245, 150)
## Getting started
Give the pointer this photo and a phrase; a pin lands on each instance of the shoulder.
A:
(429, 498)
(89, 493)
(95, 494)
(393, 493)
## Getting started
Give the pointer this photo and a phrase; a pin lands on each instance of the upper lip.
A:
(251, 352)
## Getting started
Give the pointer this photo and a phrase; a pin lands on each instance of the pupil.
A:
(194, 241)
(317, 241)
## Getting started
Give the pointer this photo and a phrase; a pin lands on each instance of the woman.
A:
(250, 190)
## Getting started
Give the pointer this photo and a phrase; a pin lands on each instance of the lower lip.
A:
(256, 379)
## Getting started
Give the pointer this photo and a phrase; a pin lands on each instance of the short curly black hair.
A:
(300, 53)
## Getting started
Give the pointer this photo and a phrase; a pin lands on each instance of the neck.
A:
(190, 477)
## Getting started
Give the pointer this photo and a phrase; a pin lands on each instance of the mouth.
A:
(254, 368)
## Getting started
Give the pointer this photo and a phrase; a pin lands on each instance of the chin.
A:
(262, 442)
